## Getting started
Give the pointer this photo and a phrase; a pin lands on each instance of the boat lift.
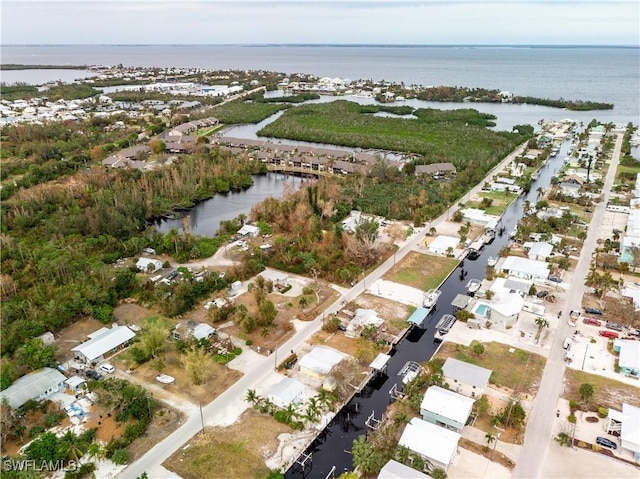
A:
(373, 423)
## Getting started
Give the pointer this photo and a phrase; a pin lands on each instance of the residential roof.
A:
(202, 331)
(629, 354)
(274, 275)
(74, 381)
(105, 342)
(443, 242)
(507, 304)
(630, 432)
(434, 168)
(396, 470)
(511, 284)
(525, 265)
(431, 441)
(321, 359)
(447, 404)
(380, 361)
(466, 373)
(540, 248)
(248, 230)
(32, 385)
(287, 391)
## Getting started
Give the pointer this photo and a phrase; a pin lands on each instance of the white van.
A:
(567, 343)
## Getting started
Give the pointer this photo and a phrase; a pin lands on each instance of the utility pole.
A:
(201, 416)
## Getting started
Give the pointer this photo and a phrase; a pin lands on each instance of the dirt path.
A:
(219, 259)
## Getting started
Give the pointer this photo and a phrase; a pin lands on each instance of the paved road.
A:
(539, 425)
(215, 411)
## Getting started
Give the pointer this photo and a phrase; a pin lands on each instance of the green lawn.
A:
(208, 131)
(422, 271)
(501, 202)
(518, 370)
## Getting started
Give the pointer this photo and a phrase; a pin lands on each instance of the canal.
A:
(332, 447)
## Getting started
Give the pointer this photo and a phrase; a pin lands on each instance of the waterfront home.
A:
(445, 408)
(102, 343)
(511, 285)
(433, 443)
(479, 217)
(465, 378)
(287, 391)
(249, 230)
(442, 243)
(436, 170)
(319, 362)
(626, 424)
(571, 185)
(525, 268)
(37, 386)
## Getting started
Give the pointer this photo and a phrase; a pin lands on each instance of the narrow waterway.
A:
(332, 447)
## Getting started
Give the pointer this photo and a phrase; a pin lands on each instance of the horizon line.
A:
(419, 45)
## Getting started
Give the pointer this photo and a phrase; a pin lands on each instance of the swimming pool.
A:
(481, 310)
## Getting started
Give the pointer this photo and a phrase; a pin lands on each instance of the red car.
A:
(608, 334)
(592, 321)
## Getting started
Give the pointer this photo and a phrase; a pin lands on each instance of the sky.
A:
(478, 22)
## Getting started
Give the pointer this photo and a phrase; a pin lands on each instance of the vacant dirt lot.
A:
(235, 451)
(421, 271)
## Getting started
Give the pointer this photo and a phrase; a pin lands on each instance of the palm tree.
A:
(290, 412)
(96, 451)
(251, 396)
(402, 453)
(540, 192)
(303, 302)
(313, 410)
(72, 447)
(490, 438)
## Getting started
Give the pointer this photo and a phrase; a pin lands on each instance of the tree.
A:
(35, 354)
(365, 458)
(438, 473)
(72, 447)
(490, 438)
(154, 339)
(541, 323)
(303, 302)
(478, 348)
(197, 363)
(251, 396)
(586, 391)
(45, 448)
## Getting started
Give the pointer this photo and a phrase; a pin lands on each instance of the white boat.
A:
(513, 232)
(431, 298)
(473, 286)
(409, 371)
(444, 326)
(535, 176)
(165, 379)
(492, 261)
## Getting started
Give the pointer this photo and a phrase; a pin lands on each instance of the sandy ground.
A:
(469, 465)
(397, 292)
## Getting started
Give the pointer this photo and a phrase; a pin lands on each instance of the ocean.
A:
(604, 74)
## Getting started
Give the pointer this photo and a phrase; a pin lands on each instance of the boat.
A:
(165, 379)
(513, 232)
(444, 326)
(409, 371)
(492, 261)
(473, 286)
(535, 176)
(574, 316)
(431, 298)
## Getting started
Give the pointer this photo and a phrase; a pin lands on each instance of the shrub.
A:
(30, 405)
(307, 290)
(35, 431)
(572, 418)
(564, 439)
(573, 405)
(237, 351)
(248, 342)
(83, 471)
(331, 324)
(603, 412)
(52, 419)
(120, 456)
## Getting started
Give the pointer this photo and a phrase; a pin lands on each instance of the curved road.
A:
(215, 411)
(539, 425)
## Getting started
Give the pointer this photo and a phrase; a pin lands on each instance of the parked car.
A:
(608, 334)
(555, 279)
(591, 321)
(107, 368)
(606, 442)
(542, 294)
(614, 326)
(593, 311)
(91, 374)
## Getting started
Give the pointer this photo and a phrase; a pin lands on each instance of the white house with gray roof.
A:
(37, 385)
(99, 346)
(465, 378)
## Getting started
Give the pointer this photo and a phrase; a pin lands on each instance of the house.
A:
(503, 309)
(37, 385)
(102, 343)
(446, 408)
(279, 279)
(193, 329)
(628, 356)
(627, 425)
(320, 361)
(351, 222)
(76, 384)
(479, 217)
(465, 378)
(287, 391)
(511, 285)
(249, 230)
(148, 265)
(434, 444)
(442, 243)
(436, 170)
(526, 268)
(538, 250)
(397, 470)
(571, 185)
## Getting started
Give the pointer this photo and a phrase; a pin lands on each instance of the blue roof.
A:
(418, 316)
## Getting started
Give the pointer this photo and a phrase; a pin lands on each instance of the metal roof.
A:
(105, 342)
(466, 373)
(32, 385)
